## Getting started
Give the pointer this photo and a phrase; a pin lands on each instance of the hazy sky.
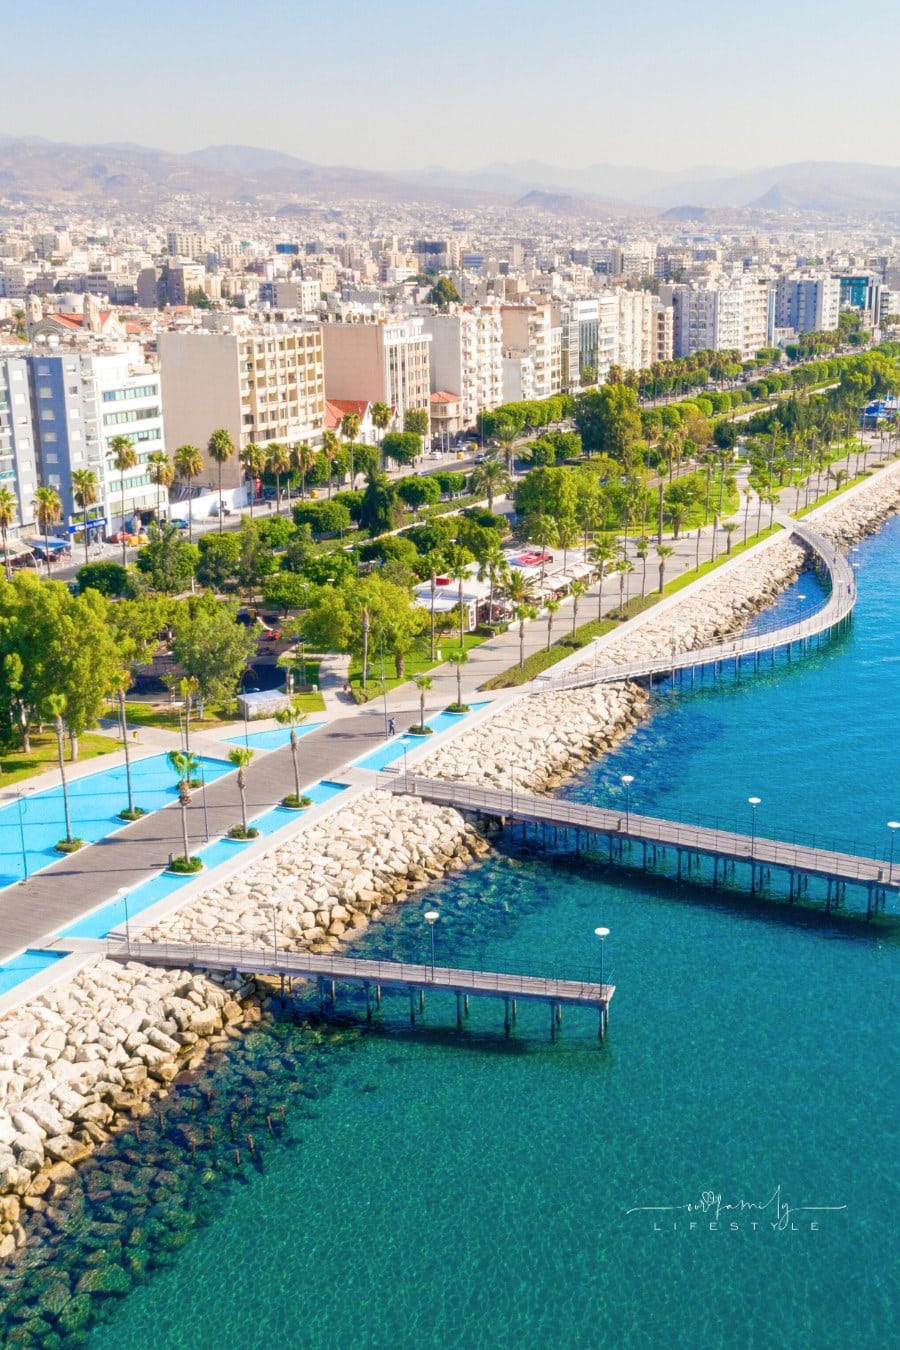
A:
(397, 84)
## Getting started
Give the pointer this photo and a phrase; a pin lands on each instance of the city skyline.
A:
(600, 87)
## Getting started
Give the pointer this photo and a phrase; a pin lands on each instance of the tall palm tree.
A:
(382, 414)
(458, 658)
(603, 552)
(124, 457)
(278, 461)
(330, 449)
(240, 757)
(566, 534)
(663, 551)
(350, 426)
(523, 613)
(220, 447)
(9, 509)
(423, 683)
(161, 473)
(577, 590)
(304, 458)
(625, 568)
(56, 705)
(189, 465)
(642, 549)
(491, 478)
(551, 606)
(185, 765)
(187, 688)
(121, 688)
(506, 436)
(253, 462)
(493, 567)
(85, 490)
(459, 571)
(47, 511)
(729, 528)
(291, 716)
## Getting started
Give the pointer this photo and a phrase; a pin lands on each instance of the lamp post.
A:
(594, 645)
(273, 906)
(602, 934)
(893, 825)
(754, 803)
(383, 685)
(178, 705)
(205, 808)
(431, 918)
(122, 894)
(405, 742)
(627, 779)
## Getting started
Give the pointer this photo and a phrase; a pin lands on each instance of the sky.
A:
(400, 84)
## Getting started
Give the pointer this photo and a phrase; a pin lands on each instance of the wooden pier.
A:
(375, 976)
(622, 830)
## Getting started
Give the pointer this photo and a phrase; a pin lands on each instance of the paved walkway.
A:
(36, 909)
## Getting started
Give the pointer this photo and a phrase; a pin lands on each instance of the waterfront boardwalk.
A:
(373, 976)
(724, 847)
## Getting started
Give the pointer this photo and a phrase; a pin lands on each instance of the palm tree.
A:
(124, 458)
(350, 425)
(566, 534)
(495, 568)
(253, 462)
(187, 688)
(642, 549)
(240, 757)
(185, 765)
(381, 420)
(729, 528)
(506, 436)
(603, 553)
(577, 590)
(124, 682)
(663, 551)
(47, 511)
(303, 458)
(523, 613)
(56, 704)
(161, 473)
(423, 683)
(189, 465)
(278, 461)
(220, 447)
(491, 478)
(542, 530)
(291, 716)
(9, 509)
(624, 569)
(459, 571)
(551, 606)
(330, 449)
(84, 485)
(458, 658)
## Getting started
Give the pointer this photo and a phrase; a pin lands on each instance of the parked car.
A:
(179, 523)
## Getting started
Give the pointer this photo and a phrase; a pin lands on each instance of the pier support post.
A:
(466, 1003)
(506, 1022)
(321, 984)
(368, 989)
(552, 1022)
(458, 1011)
(715, 874)
(412, 1007)
(515, 1009)
(378, 996)
(421, 1000)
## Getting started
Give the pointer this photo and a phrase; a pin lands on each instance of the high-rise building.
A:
(535, 332)
(384, 362)
(808, 304)
(262, 385)
(466, 358)
(18, 457)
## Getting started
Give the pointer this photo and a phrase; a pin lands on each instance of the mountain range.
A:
(36, 170)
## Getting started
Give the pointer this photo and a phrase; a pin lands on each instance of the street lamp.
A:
(627, 779)
(405, 742)
(892, 826)
(602, 934)
(22, 835)
(122, 894)
(754, 803)
(594, 642)
(431, 918)
(274, 907)
(178, 705)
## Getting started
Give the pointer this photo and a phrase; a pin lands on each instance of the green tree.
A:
(551, 607)
(443, 293)
(286, 591)
(458, 657)
(218, 562)
(490, 478)
(124, 457)
(303, 457)
(189, 465)
(161, 472)
(278, 463)
(211, 647)
(9, 509)
(401, 446)
(423, 683)
(220, 448)
(185, 766)
(663, 552)
(608, 419)
(109, 578)
(292, 717)
(416, 492)
(253, 463)
(379, 511)
(577, 590)
(166, 560)
(86, 493)
(47, 511)
(255, 560)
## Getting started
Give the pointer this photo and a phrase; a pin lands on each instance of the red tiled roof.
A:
(336, 408)
(441, 396)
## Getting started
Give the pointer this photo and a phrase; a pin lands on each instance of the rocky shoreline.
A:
(117, 1034)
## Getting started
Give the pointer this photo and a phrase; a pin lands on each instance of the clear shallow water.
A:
(94, 803)
(476, 1191)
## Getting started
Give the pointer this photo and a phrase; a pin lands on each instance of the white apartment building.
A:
(262, 384)
(708, 317)
(580, 323)
(466, 358)
(534, 331)
(18, 455)
(808, 304)
(384, 362)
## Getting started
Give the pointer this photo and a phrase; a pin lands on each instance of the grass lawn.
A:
(15, 765)
(418, 662)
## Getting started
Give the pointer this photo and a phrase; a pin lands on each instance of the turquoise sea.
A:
(426, 1189)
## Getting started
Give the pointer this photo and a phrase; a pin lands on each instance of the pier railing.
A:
(830, 616)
